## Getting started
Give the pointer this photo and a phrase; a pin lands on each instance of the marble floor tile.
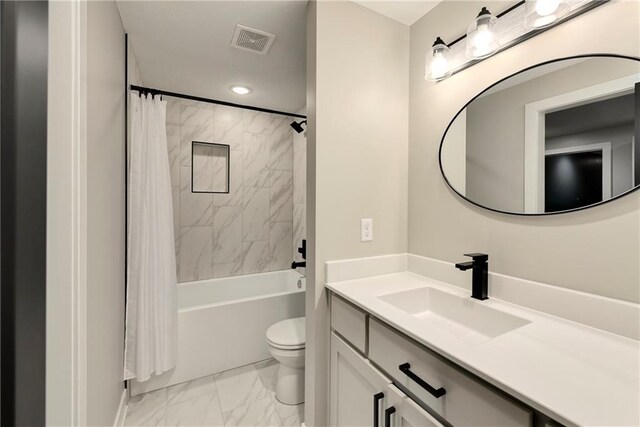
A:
(288, 411)
(148, 409)
(293, 421)
(191, 389)
(239, 387)
(256, 413)
(203, 410)
(267, 371)
(240, 397)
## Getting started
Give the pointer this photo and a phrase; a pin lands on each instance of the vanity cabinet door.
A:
(404, 412)
(358, 391)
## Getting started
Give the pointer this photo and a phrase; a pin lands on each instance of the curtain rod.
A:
(153, 91)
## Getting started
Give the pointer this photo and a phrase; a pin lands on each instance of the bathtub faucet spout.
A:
(297, 264)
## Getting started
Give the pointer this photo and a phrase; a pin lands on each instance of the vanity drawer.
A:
(465, 402)
(350, 322)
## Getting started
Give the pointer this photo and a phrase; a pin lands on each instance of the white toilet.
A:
(286, 344)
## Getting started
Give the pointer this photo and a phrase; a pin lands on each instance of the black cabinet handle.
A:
(406, 369)
(376, 408)
(387, 416)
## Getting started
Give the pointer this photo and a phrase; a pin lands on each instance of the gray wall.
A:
(495, 129)
(595, 250)
(105, 211)
(358, 93)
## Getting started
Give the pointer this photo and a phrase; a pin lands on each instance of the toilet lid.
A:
(288, 333)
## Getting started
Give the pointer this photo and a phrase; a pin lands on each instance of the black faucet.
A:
(302, 250)
(480, 265)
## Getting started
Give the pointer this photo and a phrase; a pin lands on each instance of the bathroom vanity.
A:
(410, 350)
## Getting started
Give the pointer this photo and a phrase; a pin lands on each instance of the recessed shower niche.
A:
(210, 167)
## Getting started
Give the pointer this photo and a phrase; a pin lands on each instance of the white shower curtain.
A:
(151, 330)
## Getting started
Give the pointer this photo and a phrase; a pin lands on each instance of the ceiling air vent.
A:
(246, 38)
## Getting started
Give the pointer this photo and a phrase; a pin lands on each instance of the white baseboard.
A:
(122, 410)
(357, 268)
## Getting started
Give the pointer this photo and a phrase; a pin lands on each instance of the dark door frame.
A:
(23, 193)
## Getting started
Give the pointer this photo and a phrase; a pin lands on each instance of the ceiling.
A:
(404, 11)
(184, 46)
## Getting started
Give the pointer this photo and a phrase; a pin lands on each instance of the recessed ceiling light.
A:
(240, 90)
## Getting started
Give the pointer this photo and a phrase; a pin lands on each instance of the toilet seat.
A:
(287, 334)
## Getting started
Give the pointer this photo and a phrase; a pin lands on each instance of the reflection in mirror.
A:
(557, 137)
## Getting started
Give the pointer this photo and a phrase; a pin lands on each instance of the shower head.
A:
(297, 126)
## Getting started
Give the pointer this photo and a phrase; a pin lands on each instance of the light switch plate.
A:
(366, 229)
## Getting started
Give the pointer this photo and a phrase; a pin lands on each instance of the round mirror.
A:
(556, 137)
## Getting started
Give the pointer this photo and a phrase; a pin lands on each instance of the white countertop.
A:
(573, 373)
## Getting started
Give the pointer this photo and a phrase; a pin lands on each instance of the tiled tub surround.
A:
(249, 230)
(243, 396)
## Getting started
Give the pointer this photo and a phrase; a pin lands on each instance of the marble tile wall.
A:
(251, 229)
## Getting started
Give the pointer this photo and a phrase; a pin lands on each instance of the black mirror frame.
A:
(592, 55)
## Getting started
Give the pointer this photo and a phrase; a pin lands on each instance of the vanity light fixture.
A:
(436, 63)
(240, 90)
(481, 38)
(540, 13)
(489, 34)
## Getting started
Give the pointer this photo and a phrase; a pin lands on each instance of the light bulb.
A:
(439, 66)
(436, 63)
(540, 13)
(481, 37)
(482, 41)
(546, 7)
(240, 90)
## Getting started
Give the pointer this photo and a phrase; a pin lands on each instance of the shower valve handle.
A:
(302, 250)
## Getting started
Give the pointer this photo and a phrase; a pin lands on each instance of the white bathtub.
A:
(222, 323)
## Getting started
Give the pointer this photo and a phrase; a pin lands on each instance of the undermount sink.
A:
(468, 319)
